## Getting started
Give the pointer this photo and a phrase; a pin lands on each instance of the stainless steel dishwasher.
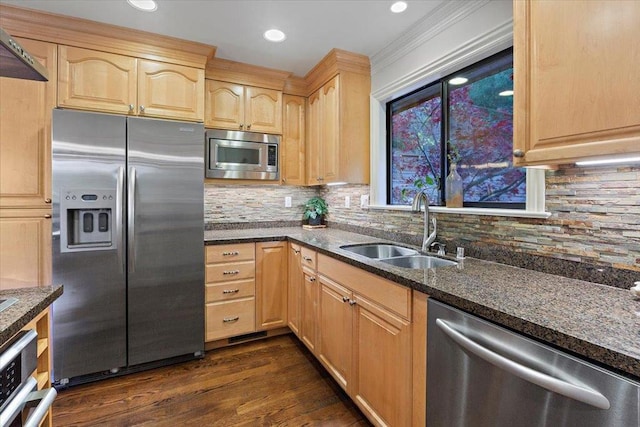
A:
(480, 374)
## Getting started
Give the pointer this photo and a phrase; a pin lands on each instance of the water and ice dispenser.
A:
(87, 220)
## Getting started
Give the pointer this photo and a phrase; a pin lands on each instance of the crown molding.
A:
(335, 62)
(443, 17)
(246, 74)
(66, 30)
(493, 41)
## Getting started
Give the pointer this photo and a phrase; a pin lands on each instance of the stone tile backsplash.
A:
(595, 219)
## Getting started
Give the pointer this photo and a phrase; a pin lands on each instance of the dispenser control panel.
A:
(87, 220)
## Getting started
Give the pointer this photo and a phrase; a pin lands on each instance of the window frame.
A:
(442, 88)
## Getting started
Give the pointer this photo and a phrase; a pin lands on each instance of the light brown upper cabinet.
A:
(238, 107)
(338, 131)
(100, 81)
(292, 147)
(576, 80)
(25, 134)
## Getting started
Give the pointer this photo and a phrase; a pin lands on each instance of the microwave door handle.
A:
(46, 398)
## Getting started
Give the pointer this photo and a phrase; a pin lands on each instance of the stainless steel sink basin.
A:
(418, 262)
(379, 250)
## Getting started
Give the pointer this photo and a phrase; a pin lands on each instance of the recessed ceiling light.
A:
(274, 35)
(398, 7)
(145, 5)
(506, 93)
(458, 80)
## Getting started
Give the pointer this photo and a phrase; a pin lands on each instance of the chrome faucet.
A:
(428, 239)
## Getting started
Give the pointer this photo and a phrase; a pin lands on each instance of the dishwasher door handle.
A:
(555, 385)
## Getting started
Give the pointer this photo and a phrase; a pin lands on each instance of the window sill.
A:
(514, 213)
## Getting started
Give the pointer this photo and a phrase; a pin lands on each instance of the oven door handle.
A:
(16, 404)
(46, 398)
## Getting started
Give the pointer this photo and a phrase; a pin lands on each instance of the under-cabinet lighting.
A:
(398, 7)
(608, 161)
(144, 5)
(274, 35)
(331, 184)
(506, 93)
(458, 80)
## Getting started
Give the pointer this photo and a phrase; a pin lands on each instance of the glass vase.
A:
(453, 188)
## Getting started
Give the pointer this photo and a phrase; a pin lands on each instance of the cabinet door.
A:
(98, 81)
(335, 316)
(330, 123)
(271, 285)
(309, 327)
(262, 110)
(295, 289)
(224, 105)
(381, 383)
(25, 134)
(576, 95)
(293, 140)
(313, 155)
(25, 248)
(170, 91)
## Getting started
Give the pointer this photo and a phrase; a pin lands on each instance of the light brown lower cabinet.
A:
(271, 285)
(294, 288)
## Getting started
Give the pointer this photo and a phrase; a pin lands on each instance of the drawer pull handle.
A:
(231, 319)
(230, 291)
(226, 272)
(231, 253)
(306, 258)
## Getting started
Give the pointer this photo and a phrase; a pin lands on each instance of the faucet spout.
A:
(423, 198)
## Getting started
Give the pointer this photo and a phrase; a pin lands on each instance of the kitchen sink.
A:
(379, 250)
(418, 262)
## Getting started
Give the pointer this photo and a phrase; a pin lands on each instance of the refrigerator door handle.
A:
(131, 219)
(579, 393)
(119, 216)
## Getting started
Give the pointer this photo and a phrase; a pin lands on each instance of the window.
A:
(466, 117)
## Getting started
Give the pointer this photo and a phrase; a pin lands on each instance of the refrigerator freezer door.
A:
(166, 251)
(89, 319)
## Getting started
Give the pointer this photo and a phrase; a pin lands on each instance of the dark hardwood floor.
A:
(272, 382)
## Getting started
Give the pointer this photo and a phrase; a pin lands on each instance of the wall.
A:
(595, 219)
(230, 204)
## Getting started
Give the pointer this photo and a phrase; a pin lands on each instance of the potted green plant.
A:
(315, 210)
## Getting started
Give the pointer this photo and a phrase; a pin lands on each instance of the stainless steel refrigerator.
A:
(127, 243)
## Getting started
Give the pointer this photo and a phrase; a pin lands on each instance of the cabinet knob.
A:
(306, 258)
(142, 108)
(47, 216)
(47, 200)
(296, 251)
(248, 126)
(320, 178)
(345, 299)
(352, 302)
(131, 107)
(518, 153)
(241, 126)
(312, 279)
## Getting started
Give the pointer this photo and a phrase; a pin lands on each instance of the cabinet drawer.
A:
(229, 318)
(230, 253)
(309, 258)
(231, 271)
(230, 290)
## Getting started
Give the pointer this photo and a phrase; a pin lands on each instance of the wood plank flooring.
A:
(272, 382)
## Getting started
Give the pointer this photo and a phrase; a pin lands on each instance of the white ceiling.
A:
(313, 27)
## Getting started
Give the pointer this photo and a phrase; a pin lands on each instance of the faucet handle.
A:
(441, 247)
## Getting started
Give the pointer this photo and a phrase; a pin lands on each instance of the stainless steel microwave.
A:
(241, 155)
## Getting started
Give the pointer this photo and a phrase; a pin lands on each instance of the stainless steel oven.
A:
(21, 404)
(242, 155)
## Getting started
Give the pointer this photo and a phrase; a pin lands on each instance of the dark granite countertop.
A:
(31, 301)
(599, 322)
